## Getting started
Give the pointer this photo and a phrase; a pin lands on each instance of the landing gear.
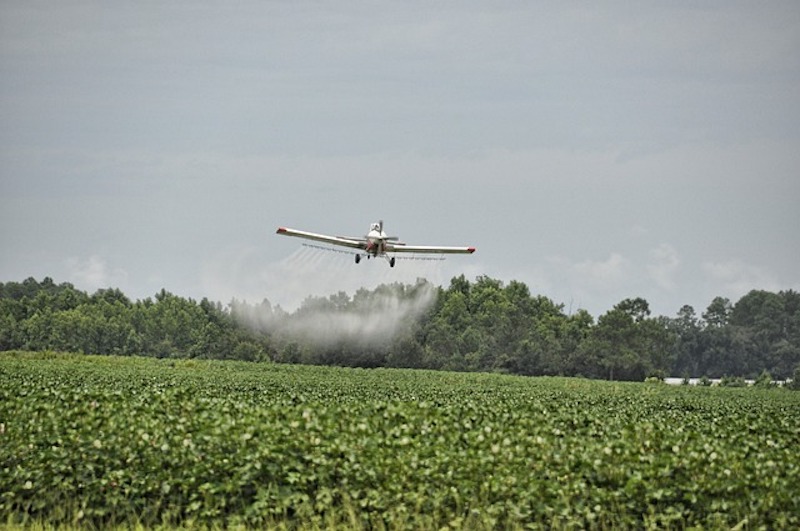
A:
(390, 259)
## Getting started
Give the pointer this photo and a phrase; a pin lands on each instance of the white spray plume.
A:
(246, 273)
(369, 318)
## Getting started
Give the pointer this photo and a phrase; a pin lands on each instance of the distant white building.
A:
(716, 381)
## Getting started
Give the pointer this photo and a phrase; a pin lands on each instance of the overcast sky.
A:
(593, 150)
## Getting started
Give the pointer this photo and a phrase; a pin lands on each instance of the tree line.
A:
(480, 325)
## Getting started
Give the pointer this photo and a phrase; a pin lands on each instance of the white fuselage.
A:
(376, 239)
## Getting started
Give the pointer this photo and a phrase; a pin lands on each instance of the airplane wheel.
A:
(358, 258)
(391, 262)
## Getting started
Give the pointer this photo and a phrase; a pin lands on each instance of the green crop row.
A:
(103, 441)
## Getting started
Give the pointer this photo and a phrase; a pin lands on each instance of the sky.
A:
(593, 150)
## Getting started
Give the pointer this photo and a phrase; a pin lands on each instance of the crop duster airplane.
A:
(376, 243)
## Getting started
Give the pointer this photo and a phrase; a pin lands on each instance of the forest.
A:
(483, 325)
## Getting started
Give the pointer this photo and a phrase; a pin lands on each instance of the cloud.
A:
(603, 274)
(738, 278)
(664, 264)
(93, 273)
(589, 284)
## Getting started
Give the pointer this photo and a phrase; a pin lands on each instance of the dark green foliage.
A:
(628, 344)
(761, 332)
(794, 384)
(469, 326)
(732, 381)
(764, 380)
(46, 316)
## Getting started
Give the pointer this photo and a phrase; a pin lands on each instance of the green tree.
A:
(767, 325)
(627, 345)
(442, 334)
(171, 326)
(688, 352)
(718, 312)
(574, 357)
(794, 383)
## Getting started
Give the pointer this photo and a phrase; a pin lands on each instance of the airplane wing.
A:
(432, 249)
(333, 240)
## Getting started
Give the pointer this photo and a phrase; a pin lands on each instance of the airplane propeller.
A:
(388, 238)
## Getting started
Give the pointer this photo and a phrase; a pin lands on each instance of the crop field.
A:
(90, 441)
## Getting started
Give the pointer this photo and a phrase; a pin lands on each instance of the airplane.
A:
(375, 244)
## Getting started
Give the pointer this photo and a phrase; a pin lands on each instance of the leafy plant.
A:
(125, 441)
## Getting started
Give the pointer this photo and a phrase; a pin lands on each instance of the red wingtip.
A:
(471, 249)
(280, 230)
